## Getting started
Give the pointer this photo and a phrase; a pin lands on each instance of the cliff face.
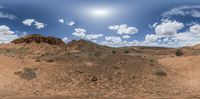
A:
(38, 39)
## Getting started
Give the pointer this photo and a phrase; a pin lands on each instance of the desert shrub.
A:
(126, 51)
(179, 52)
(50, 60)
(159, 72)
(151, 60)
(114, 52)
(27, 73)
(94, 79)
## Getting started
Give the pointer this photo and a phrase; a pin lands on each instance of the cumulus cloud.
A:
(178, 39)
(152, 37)
(116, 43)
(93, 36)
(72, 23)
(113, 39)
(61, 20)
(79, 32)
(168, 28)
(123, 29)
(6, 35)
(5, 30)
(193, 11)
(126, 37)
(195, 28)
(37, 24)
(65, 39)
(28, 22)
(7, 16)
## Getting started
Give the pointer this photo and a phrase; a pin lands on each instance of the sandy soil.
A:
(188, 70)
(84, 69)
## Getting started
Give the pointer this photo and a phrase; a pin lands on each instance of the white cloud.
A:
(37, 24)
(79, 32)
(113, 39)
(168, 28)
(152, 37)
(7, 16)
(93, 36)
(123, 29)
(121, 44)
(153, 26)
(6, 35)
(72, 23)
(195, 28)
(126, 37)
(193, 11)
(65, 39)
(5, 30)
(178, 39)
(61, 20)
(28, 22)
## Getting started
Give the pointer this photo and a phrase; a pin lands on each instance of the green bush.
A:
(179, 52)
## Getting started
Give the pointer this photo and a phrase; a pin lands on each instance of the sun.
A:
(100, 12)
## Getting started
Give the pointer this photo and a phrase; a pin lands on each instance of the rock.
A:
(37, 38)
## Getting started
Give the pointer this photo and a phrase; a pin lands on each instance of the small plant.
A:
(114, 52)
(27, 73)
(126, 51)
(94, 79)
(50, 60)
(151, 60)
(179, 52)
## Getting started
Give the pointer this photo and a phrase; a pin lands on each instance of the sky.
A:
(116, 23)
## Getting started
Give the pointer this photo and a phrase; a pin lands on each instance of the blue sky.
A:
(169, 23)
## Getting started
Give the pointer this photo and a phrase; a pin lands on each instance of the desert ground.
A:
(32, 68)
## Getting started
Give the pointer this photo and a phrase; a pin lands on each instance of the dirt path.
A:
(187, 69)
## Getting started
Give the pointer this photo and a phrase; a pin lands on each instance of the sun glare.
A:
(100, 12)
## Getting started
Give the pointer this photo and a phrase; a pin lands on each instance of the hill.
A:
(37, 38)
(84, 69)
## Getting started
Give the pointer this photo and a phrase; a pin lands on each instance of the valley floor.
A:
(93, 71)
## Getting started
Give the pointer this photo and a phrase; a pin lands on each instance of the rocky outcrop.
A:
(37, 38)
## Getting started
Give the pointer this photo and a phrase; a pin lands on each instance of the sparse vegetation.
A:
(179, 52)
(151, 60)
(114, 52)
(94, 79)
(50, 60)
(126, 51)
(27, 73)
